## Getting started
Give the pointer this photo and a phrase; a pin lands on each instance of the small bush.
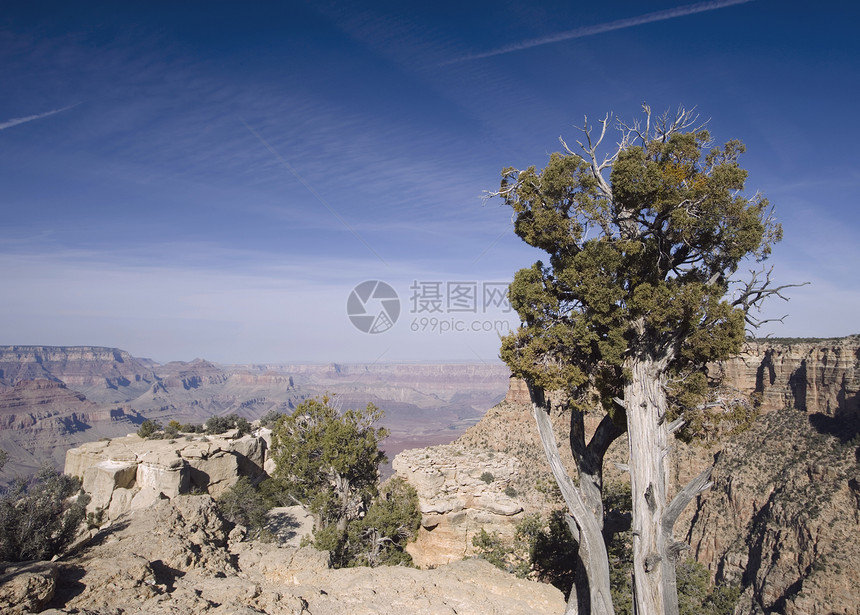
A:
(243, 504)
(148, 428)
(488, 477)
(380, 537)
(220, 424)
(37, 518)
(510, 491)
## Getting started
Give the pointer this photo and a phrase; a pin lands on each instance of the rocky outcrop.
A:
(132, 473)
(460, 492)
(178, 557)
(27, 587)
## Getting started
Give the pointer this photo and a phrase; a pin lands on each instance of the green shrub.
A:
(243, 504)
(270, 418)
(220, 424)
(510, 491)
(380, 537)
(488, 477)
(148, 429)
(37, 517)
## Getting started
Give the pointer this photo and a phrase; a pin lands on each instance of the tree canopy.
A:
(638, 294)
(328, 461)
(644, 257)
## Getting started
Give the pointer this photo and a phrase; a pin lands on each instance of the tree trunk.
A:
(647, 433)
(592, 550)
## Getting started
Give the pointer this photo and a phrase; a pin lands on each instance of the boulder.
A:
(103, 478)
(27, 587)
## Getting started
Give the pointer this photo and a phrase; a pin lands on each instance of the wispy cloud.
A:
(620, 24)
(30, 118)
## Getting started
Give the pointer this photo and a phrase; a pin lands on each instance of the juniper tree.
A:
(636, 297)
(327, 461)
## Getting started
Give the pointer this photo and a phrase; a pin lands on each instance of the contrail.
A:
(681, 11)
(30, 118)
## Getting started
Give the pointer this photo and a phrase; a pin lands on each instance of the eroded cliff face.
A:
(85, 393)
(820, 377)
(782, 519)
(460, 491)
(102, 374)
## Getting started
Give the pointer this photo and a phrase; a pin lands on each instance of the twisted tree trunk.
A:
(586, 526)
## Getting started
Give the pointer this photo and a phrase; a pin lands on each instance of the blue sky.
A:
(190, 179)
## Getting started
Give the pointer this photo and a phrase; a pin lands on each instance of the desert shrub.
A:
(270, 418)
(552, 550)
(380, 537)
(191, 428)
(243, 504)
(148, 429)
(493, 549)
(488, 477)
(696, 596)
(220, 424)
(328, 461)
(38, 518)
(510, 491)
(4, 457)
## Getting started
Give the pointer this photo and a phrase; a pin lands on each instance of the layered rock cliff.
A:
(816, 377)
(85, 393)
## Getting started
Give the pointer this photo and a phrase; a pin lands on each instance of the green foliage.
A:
(4, 457)
(510, 491)
(541, 549)
(191, 428)
(148, 429)
(639, 260)
(328, 462)
(380, 537)
(95, 519)
(243, 504)
(270, 418)
(37, 518)
(488, 477)
(696, 595)
(504, 556)
(552, 551)
(220, 424)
